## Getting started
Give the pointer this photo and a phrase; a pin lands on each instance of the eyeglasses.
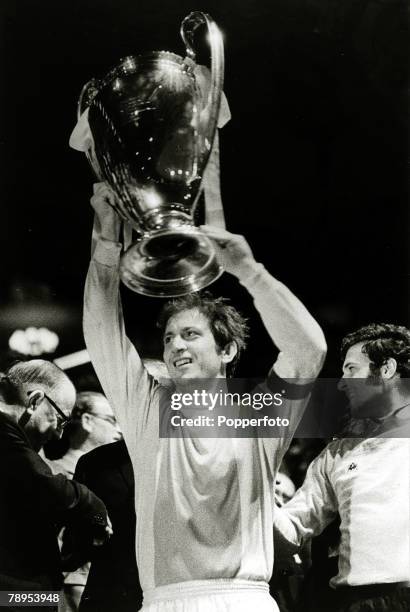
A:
(105, 417)
(64, 418)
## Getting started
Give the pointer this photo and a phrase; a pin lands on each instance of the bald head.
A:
(26, 377)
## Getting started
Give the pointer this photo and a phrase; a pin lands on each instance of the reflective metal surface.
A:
(153, 121)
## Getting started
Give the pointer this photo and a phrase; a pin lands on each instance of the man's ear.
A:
(35, 398)
(389, 368)
(86, 421)
(229, 351)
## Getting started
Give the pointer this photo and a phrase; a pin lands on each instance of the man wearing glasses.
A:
(92, 423)
(34, 503)
(44, 420)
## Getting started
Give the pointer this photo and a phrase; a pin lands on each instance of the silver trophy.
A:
(153, 120)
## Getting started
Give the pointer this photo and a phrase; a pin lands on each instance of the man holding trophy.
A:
(204, 506)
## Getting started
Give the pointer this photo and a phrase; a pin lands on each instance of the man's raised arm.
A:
(122, 375)
(293, 330)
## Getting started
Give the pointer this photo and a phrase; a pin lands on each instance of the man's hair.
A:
(381, 341)
(226, 323)
(43, 373)
(85, 402)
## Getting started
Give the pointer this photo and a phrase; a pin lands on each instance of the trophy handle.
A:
(88, 93)
(188, 27)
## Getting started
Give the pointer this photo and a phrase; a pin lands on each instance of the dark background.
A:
(313, 161)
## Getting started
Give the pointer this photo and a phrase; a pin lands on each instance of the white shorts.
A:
(210, 596)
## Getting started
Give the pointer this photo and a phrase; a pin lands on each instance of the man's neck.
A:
(76, 453)
(384, 405)
(81, 444)
(397, 405)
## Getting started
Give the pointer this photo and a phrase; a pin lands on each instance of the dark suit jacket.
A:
(113, 582)
(33, 505)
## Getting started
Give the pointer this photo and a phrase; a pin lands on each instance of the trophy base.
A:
(170, 263)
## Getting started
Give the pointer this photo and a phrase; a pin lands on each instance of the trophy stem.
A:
(170, 263)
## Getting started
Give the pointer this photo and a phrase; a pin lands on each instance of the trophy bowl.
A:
(153, 120)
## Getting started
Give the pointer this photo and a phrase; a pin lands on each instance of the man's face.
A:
(101, 424)
(190, 350)
(362, 387)
(45, 421)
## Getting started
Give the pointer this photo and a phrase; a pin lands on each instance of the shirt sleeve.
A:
(293, 401)
(293, 330)
(290, 327)
(312, 508)
(126, 383)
